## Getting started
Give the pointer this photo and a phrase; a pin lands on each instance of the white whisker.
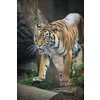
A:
(31, 46)
(32, 49)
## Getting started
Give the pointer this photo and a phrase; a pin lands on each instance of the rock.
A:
(79, 92)
(52, 73)
(25, 92)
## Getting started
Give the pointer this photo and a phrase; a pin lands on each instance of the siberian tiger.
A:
(60, 37)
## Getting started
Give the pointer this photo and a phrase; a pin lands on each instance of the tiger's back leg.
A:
(67, 63)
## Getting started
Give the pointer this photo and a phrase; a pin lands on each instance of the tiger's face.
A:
(45, 38)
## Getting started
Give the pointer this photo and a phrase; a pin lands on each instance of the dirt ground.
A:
(67, 92)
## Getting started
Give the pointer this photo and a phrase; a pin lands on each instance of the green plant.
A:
(82, 45)
(48, 85)
(81, 79)
(61, 93)
(56, 89)
(43, 85)
(81, 65)
(75, 79)
(73, 71)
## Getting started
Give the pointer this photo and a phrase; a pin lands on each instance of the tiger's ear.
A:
(37, 26)
(54, 28)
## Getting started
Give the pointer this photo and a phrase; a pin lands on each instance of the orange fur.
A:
(63, 34)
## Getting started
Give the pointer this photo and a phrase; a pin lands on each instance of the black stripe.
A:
(64, 50)
(52, 44)
(50, 24)
(65, 44)
(62, 35)
(69, 21)
(63, 38)
(67, 53)
(54, 38)
(49, 41)
(49, 35)
(74, 35)
(73, 32)
(47, 56)
(76, 19)
(57, 46)
(65, 24)
(46, 66)
(60, 24)
(52, 41)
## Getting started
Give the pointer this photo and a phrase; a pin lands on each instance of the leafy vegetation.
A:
(43, 85)
(82, 45)
(74, 71)
(75, 79)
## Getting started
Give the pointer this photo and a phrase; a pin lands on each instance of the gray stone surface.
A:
(32, 93)
(52, 73)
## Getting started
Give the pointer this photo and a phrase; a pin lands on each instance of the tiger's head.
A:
(45, 38)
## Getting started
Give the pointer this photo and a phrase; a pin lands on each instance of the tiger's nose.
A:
(39, 45)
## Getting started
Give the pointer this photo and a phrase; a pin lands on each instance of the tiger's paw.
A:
(37, 79)
(63, 83)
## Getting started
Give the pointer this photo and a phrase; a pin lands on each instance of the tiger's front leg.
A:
(67, 64)
(44, 64)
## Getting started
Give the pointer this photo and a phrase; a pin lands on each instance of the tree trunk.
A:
(31, 16)
(29, 10)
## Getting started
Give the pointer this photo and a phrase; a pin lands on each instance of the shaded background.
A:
(58, 9)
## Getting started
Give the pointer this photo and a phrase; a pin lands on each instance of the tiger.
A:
(61, 38)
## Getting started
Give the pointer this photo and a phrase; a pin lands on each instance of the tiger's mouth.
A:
(41, 50)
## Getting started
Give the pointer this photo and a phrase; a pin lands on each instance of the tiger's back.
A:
(71, 30)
